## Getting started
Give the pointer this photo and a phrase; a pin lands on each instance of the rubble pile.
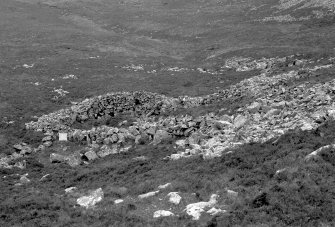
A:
(140, 103)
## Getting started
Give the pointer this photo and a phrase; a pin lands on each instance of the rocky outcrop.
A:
(274, 107)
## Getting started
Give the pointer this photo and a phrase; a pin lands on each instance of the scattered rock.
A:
(163, 213)
(90, 200)
(232, 194)
(117, 201)
(195, 209)
(214, 211)
(147, 195)
(91, 155)
(70, 189)
(164, 186)
(174, 198)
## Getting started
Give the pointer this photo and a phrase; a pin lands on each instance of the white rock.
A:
(70, 189)
(174, 198)
(147, 195)
(195, 209)
(163, 213)
(306, 127)
(117, 201)
(180, 143)
(232, 194)
(164, 186)
(175, 156)
(318, 151)
(90, 200)
(195, 212)
(215, 211)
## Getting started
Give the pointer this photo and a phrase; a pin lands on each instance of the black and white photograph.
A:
(167, 113)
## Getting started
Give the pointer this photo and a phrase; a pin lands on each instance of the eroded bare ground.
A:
(177, 113)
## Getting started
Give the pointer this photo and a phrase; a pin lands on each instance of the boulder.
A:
(90, 200)
(195, 209)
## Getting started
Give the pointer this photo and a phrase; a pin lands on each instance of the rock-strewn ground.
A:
(273, 107)
(175, 113)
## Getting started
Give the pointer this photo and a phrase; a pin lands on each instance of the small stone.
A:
(90, 200)
(240, 121)
(147, 195)
(176, 156)
(232, 194)
(91, 155)
(47, 144)
(44, 177)
(18, 147)
(164, 186)
(114, 138)
(26, 150)
(140, 158)
(214, 211)
(151, 131)
(121, 137)
(174, 198)
(117, 201)
(70, 189)
(106, 141)
(306, 127)
(162, 213)
(180, 143)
